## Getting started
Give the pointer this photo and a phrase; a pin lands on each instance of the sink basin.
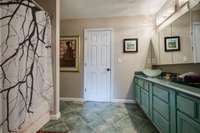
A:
(151, 72)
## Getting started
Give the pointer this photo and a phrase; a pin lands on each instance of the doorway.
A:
(97, 65)
(195, 41)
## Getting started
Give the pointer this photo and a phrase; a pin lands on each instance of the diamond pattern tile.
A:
(95, 117)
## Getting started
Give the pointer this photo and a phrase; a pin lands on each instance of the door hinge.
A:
(85, 89)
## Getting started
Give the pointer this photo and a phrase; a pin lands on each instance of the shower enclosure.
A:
(26, 86)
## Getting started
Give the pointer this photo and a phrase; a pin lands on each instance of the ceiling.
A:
(108, 8)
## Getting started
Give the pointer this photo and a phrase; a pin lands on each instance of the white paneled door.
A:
(196, 41)
(97, 64)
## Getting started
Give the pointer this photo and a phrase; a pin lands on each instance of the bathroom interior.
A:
(99, 66)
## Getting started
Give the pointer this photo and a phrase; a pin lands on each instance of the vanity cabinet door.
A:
(137, 93)
(186, 124)
(145, 101)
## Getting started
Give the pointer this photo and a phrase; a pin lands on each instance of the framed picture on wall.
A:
(130, 45)
(172, 43)
(69, 53)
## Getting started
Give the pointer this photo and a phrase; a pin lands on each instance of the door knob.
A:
(108, 69)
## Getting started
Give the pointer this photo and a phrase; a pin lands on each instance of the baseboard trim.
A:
(123, 101)
(71, 99)
(55, 116)
(67, 99)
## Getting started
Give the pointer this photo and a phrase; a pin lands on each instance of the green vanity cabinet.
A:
(161, 108)
(186, 125)
(142, 94)
(170, 109)
(137, 93)
(188, 116)
(144, 101)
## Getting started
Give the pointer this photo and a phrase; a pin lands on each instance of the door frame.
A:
(111, 58)
(193, 47)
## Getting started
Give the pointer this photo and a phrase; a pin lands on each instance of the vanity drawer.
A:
(160, 122)
(186, 105)
(161, 107)
(161, 92)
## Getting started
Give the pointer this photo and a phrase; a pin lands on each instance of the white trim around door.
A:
(111, 69)
(195, 41)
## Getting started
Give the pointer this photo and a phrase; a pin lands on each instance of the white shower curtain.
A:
(26, 89)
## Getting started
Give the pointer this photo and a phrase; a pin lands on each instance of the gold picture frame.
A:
(70, 53)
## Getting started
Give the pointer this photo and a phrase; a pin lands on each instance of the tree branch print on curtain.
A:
(25, 61)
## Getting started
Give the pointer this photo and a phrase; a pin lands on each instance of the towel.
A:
(190, 77)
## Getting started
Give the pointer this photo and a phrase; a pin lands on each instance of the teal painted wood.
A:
(172, 109)
(161, 107)
(198, 110)
(186, 105)
(146, 85)
(140, 82)
(189, 105)
(137, 93)
(150, 100)
(144, 101)
(186, 124)
(160, 122)
(161, 92)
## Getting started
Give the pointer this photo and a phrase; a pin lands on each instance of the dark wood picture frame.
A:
(125, 45)
(178, 48)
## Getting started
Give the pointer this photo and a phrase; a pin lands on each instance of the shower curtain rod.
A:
(38, 5)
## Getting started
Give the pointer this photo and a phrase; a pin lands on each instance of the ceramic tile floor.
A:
(93, 117)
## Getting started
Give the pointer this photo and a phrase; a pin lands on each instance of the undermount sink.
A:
(152, 72)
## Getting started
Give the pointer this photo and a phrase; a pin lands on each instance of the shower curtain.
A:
(26, 86)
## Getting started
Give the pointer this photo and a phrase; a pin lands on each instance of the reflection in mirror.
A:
(165, 57)
(155, 48)
(180, 28)
(196, 33)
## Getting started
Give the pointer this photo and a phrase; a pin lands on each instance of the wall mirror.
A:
(182, 39)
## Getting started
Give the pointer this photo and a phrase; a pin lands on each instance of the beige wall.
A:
(140, 27)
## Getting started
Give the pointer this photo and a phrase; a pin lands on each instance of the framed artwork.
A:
(69, 53)
(172, 43)
(130, 45)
